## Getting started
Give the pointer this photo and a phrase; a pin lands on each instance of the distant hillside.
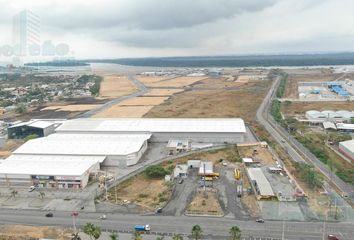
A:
(238, 61)
(69, 63)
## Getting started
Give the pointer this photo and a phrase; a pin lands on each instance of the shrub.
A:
(156, 171)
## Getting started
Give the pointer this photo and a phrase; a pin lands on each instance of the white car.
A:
(31, 188)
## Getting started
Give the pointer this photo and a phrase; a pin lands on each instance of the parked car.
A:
(49, 215)
(103, 217)
(180, 181)
(332, 237)
(31, 188)
(260, 220)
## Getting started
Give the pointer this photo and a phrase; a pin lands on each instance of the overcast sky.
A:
(142, 28)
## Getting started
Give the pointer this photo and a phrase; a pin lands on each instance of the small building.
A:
(260, 184)
(247, 161)
(345, 127)
(178, 146)
(275, 169)
(193, 163)
(329, 126)
(40, 128)
(347, 149)
(180, 171)
(206, 169)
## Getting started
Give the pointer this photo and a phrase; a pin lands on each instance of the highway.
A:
(216, 227)
(295, 149)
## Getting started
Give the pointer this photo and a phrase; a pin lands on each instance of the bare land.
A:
(163, 92)
(178, 82)
(20, 232)
(152, 79)
(10, 146)
(241, 101)
(205, 203)
(124, 111)
(114, 86)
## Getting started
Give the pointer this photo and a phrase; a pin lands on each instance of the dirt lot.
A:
(163, 92)
(20, 232)
(152, 79)
(202, 205)
(263, 154)
(71, 108)
(178, 82)
(10, 146)
(242, 101)
(148, 193)
(295, 108)
(143, 101)
(124, 111)
(114, 86)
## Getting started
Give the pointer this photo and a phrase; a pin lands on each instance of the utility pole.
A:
(283, 231)
(74, 215)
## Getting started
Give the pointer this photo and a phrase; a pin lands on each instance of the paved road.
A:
(165, 224)
(291, 145)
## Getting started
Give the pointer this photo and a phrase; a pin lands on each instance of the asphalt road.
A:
(217, 227)
(291, 145)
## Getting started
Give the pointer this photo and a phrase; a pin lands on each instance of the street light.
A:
(74, 215)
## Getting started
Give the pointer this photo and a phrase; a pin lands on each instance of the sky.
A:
(153, 28)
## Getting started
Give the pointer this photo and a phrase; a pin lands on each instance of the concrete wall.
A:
(48, 130)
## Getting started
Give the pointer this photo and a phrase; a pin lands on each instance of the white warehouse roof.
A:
(229, 125)
(46, 165)
(88, 144)
(348, 145)
(256, 174)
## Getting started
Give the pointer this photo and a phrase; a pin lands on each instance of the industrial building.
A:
(331, 116)
(205, 130)
(178, 146)
(206, 169)
(260, 184)
(347, 149)
(39, 127)
(118, 150)
(48, 171)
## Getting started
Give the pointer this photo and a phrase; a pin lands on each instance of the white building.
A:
(210, 130)
(178, 146)
(206, 169)
(193, 163)
(328, 115)
(118, 150)
(48, 171)
(347, 149)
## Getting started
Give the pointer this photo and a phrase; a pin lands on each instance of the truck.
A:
(145, 228)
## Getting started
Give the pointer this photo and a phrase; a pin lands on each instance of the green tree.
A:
(155, 171)
(177, 237)
(21, 108)
(196, 232)
(30, 137)
(94, 232)
(160, 238)
(114, 236)
(75, 236)
(235, 233)
(137, 236)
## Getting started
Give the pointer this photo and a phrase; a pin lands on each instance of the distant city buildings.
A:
(26, 33)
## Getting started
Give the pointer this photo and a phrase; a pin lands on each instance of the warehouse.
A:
(33, 127)
(45, 171)
(206, 169)
(118, 150)
(205, 130)
(260, 184)
(347, 149)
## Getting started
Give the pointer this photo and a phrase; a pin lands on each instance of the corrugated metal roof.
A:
(348, 145)
(227, 125)
(256, 174)
(84, 144)
(208, 169)
(48, 165)
(329, 125)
